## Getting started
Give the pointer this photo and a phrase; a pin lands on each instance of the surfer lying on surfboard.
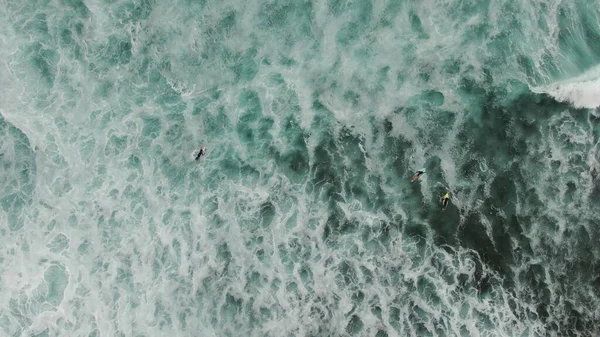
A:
(201, 152)
(445, 200)
(418, 174)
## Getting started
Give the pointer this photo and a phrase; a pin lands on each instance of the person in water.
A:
(445, 200)
(201, 153)
(418, 174)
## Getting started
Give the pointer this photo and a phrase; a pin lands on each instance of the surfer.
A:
(201, 152)
(445, 200)
(418, 174)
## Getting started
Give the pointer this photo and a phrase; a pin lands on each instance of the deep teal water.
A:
(301, 220)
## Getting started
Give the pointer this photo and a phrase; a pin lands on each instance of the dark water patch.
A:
(352, 97)
(264, 126)
(491, 139)
(527, 66)
(357, 299)
(378, 197)
(217, 123)
(295, 164)
(439, 262)
(533, 110)
(203, 101)
(286, 102)
(517, 232)
(452, 66)
(348, 34)
(118, 50)
(295, 161)
(359, 15)
(534, 276)
(382, 79)
(337, 225)
(37, 25)
(231, 165)
(325, 172)
(435, 175)
(474, 235)
(394, 152)
(228, 21)
(434, 98)
(245, 69)
(150, 131)
(17, 173)
(367, 275)
(362, 12)
(583, 248)
(384, 233)
(78, 7)
(415, 23)
(253, 128)
(500, 136)
(45, 61)
(115, 145)
(427, 289)
(429, 99)
(381, 333)
(481, 280)
(503, 190)
(573, 34)
(417, 232)
(68, 43)
(133, 12)
(174, 173)
(355, 191)
(104, 89)
(249, 102)
(469, 169)
(231, 308)
(355, 326)
(349, 144)
(443, 222)
(336, 7)
(267, 213)
(347, 274)
(503, 245)
(274, 16)
(394, 318)
(550, 65)
(174, 133)
(390, 12)
(594, 195)
(591, 32)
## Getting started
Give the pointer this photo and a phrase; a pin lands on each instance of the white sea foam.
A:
(151, 243)
(582, 91)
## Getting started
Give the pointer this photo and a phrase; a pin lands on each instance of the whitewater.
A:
(301, 219)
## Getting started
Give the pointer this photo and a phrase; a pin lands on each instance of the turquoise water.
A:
(301, 220)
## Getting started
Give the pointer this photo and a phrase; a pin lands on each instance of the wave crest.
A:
(582, 91)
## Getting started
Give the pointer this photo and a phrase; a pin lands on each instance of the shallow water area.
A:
(301, 219)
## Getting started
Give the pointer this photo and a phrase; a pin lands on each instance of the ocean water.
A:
(301, 220)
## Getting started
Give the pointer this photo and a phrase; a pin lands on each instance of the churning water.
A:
(301, 220)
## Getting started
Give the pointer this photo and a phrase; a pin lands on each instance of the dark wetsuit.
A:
(201, 152)
(445, 200)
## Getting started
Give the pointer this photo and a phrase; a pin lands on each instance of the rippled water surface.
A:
(301, 220)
